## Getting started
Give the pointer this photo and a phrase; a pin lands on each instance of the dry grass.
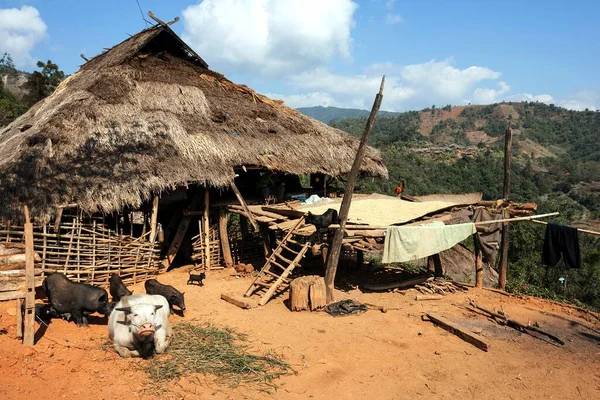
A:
(222, 352)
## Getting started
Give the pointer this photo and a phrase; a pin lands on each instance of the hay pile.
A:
(208, 349)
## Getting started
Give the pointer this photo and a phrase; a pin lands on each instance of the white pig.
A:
(139, 325)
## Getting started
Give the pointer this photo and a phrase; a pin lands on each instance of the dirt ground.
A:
(375, 355)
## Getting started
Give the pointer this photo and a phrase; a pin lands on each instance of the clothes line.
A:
(578, 229)
(529, 218)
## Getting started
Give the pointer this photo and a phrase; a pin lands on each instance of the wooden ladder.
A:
(277, 268)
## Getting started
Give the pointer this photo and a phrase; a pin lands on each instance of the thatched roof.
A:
(148, 115)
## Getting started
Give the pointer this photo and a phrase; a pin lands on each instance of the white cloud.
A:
(390, 4)
(581, 100)
(20, 30)
(407, 87)
(305, 100)
(269, 36)
(488, 96)
(392, 19)
(542, 98)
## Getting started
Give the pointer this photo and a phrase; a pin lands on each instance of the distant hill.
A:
(332, 114)
(460, 149)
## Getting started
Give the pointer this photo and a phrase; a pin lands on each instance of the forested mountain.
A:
(556, 163)
(332, 114)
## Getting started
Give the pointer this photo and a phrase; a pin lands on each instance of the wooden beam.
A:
(206, 229)
(504, 242)
(12, 295)
(287, 212)
(224, 238)
(395, 285)
(29, 325)
(154, 219)
(245, 303)
(459, 331)
(243, 203)
(336, 245)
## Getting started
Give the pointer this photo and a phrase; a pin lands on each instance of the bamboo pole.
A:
(596, 233)
(206, 228)
(336, 246)
(529, 218)
(504, 243)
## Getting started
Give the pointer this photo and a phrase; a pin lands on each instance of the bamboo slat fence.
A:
(89, 252)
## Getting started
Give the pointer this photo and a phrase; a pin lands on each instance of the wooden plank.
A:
(423, 297)
(371, 233)
(224, 236)
(244, 303)
(459, 331)
(287, 212)
(154, 219)
(244, 205)
(29, 323)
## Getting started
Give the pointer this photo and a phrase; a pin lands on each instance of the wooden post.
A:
(224, 237)
(434, 265)
(206, 228)
(264, 233)
(154, 219)
(478, 266)
(334, 251)
(504, 243)
(29, 331)
(19, 304)
(360, 259)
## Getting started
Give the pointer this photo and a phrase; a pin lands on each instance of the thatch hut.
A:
(145, 118)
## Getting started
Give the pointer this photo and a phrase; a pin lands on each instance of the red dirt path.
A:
(393, 355)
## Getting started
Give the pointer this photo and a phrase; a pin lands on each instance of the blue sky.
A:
(333, 52)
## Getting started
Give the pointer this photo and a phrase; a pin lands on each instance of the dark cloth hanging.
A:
(562, 241)
(489, 235)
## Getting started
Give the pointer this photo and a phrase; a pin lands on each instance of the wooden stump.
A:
(307, 293)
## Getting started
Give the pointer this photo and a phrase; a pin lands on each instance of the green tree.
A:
(42, 83)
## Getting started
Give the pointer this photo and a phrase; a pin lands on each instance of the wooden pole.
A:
(224, 237)
(504, 243)
(478, 266)
(434, 265)
(244, 205)
(334, 251)
(206, 228)
(29, 331)
(154, 219)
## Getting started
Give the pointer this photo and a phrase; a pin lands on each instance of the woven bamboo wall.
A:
(89, 252)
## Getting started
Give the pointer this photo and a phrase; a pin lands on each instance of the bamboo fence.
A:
(89, 252)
